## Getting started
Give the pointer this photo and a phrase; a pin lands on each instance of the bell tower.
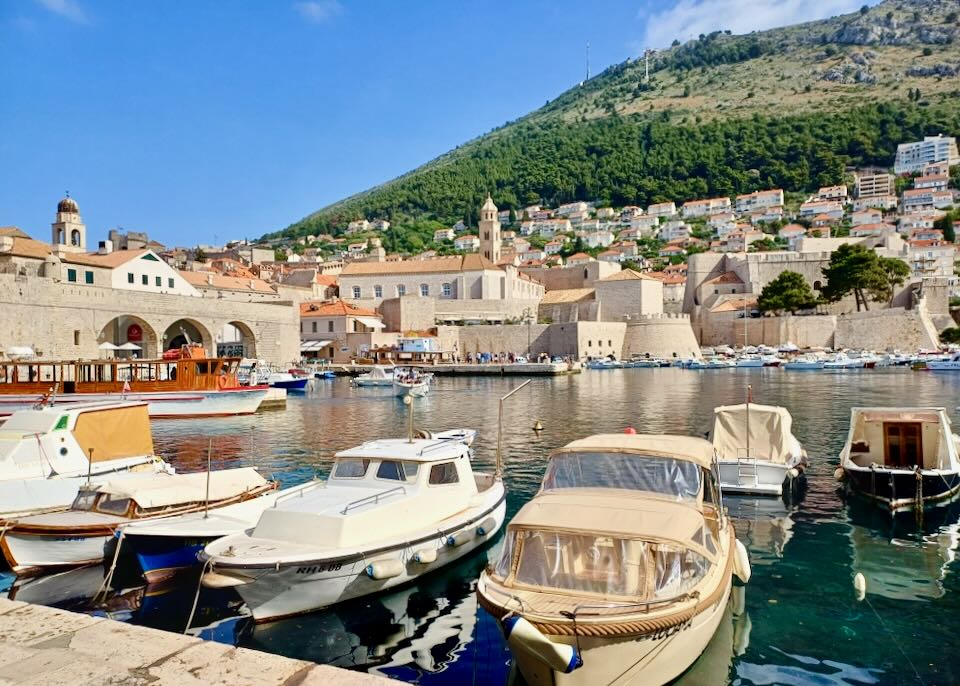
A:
(490, 231)
(69, 234)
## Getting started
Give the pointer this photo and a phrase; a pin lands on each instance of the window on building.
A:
(443, 473)
(424, 290)
(314, 327)
(378, 291)
(609, 344)
(446, 290)
(586, 274)
(170, 282)
(401, 290)
(356, 292)
(589, 344)
(159, 281)
(129, 277)
(72, 275)
(76, 337)
(88, 277)
(145, 280)
(330, 326)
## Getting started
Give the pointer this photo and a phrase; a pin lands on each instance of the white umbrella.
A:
(108, 346)
(129, 346)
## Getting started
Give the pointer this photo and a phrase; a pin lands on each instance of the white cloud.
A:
(689, 18)
(318, 11)
(68, 9)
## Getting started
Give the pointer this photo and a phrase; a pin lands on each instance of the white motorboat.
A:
(619, 569)
(377, 376)
(411, 381)
(749, 361)
(755, 448)
(49, 452)
(391, 511)
(951, 364)
(167, 546)
(77, 536)
(901, 457)
(842, 361)
(804, 363)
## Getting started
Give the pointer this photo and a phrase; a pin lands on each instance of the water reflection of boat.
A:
(901, 561)
(764, 525)
(731, 640)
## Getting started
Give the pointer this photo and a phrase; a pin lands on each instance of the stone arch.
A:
(816, 286)
(128, 328)
(75, 238)
(178, 332)
(237, 339)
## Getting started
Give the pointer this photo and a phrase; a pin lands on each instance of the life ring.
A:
(222, 381)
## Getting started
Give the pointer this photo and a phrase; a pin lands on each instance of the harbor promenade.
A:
(42, 646)
(482, 369)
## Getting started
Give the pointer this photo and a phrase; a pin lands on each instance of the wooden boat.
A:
(756, 451)
(48, 452)
(391, 511)
(186, 384)
(77, 536)
(619, 569)
(901, 457)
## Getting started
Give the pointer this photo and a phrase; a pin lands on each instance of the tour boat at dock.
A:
(901, 457)
(77, 536)
(186, 384)
(619, 569)
(755, 448)
(391, 511)
(48, 452)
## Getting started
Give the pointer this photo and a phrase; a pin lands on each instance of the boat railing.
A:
(372, 499)
(440, 445)
(297, 492)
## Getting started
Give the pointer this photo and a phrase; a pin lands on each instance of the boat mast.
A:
(89, 466)
(408, 401)
(749, 398)
(206, 503)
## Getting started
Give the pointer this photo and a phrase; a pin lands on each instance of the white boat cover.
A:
(770, 429)
(162, 490)
(684, 448)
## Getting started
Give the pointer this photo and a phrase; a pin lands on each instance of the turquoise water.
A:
(800, 622)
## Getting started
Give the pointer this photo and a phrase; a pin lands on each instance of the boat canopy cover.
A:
(929, 415)
(162, 490)
(684, 448)
(770, 433)
(114, 432)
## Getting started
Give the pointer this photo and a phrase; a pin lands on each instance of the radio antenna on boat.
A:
(89, 466)
(498, 474)
(206, 504)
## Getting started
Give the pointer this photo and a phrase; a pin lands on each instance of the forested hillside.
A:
(719, 115)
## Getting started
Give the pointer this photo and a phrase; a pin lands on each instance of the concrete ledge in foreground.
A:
(43, 646)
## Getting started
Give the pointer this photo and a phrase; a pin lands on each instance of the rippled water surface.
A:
(801, 623)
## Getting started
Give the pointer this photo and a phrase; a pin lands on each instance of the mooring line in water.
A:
(894, 640)
(196, 597)
(108, 579)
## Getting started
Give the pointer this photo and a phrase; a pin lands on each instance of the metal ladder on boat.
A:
(747, 468)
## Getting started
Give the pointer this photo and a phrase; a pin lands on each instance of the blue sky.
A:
(208, 121)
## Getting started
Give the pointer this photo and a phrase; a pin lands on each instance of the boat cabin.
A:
(900, 438)
(188, 370)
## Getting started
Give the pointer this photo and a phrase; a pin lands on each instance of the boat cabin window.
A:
(411, 469)
(389, 469)
(604, 565)
(84, 501)
(677, 478)
(443, 473)
(109, 504)
(351, 468)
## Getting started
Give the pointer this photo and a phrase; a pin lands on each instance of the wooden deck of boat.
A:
(43, 645)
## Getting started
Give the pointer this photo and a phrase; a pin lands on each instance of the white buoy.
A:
(522, 636)
(741, 562)
(860, 586)
(385, 569)
(838, 474)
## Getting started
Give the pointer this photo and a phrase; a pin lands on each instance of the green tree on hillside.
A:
(859, 270)
(896, 272)
(788, 292)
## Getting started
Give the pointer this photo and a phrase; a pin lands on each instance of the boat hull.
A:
(655, 658)
(755, 477)
(162, 558)
(416, 390)
(897, 489)
(165, 404)
(301, 588)
(28, 555)
(298, 384)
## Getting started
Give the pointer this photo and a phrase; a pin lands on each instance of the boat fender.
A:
(385, 569)
(741, 562)
(838, 473)
(522, 636)
(425, 556)
(486, 526)
(458, 539)
(860, 586)
(793, 473)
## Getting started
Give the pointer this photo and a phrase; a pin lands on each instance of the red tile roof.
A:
(336, 308)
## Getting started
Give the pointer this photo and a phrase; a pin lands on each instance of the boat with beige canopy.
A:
(619, 569)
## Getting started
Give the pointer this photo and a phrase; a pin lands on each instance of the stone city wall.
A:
(666, 336)
(884, 330)
(69, 321)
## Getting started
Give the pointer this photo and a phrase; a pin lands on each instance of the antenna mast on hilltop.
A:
(588, 60)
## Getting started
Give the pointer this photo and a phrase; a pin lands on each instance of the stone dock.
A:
(485, 369)
(43, 646)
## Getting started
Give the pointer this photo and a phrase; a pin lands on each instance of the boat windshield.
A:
(84, 501)
(602, 565)
(664, 475)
